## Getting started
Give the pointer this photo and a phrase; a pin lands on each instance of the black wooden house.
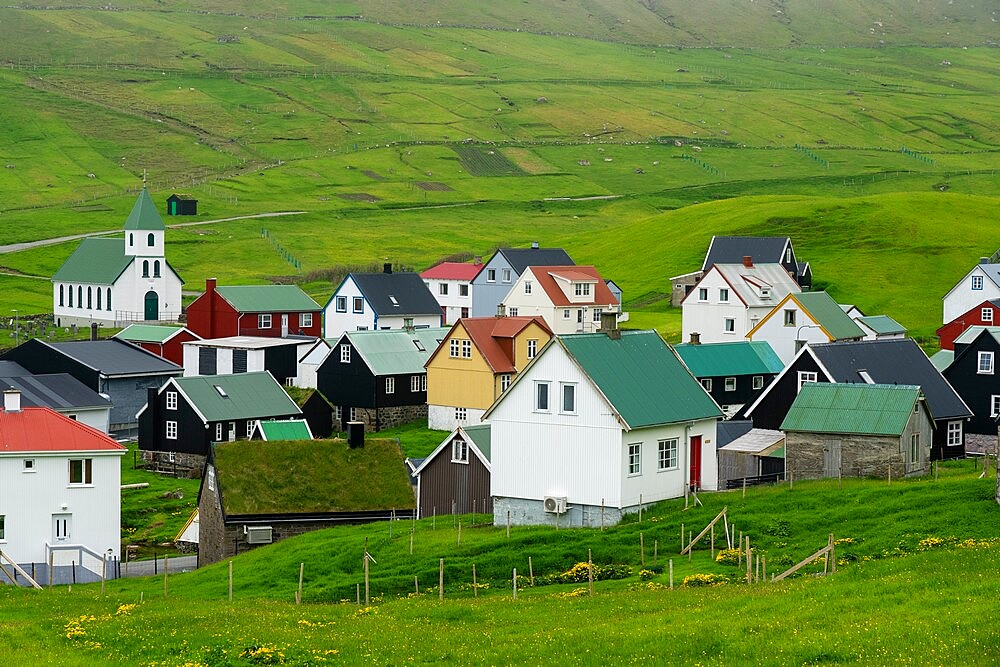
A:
(975, 376)
(182, 205)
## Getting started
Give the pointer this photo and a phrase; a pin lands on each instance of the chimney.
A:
(408, 324)
(12, 400)
(210, 285)
(984, 260)
(355, 434)
(501, 310)
(534, 245)
(478, 261)
(748, 261)
(93, 331)
(695, 338)
(387, 267)
(609, 325)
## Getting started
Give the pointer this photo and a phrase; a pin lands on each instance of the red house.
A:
(274, 311)
(985, 314)
(165, 341)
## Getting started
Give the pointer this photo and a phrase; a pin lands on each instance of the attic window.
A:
(222, 392)
(765, 292)
(393, 299)
(420, 346)
(866, 377)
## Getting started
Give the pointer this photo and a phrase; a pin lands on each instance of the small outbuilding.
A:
(182, 205)
(455, 477)
(755, 457)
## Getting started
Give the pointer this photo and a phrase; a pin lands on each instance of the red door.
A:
(696, 462)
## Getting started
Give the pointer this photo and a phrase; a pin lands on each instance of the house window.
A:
(79, 297)
(505, 274)
(81, 471)
(582, 289)
(99, 292)
(914, 448)
(150, 240)
(345, 353)
(28, 465)
(635, 459)
(423, 382)
(341, 304)
(491, 275)
(461, 414)
(90, 298)
(453, 347)
(171, 400)
(62, 300)
(390, 385)
(305, 320)
(145, 268)
(443, 289)
(765, 292)
(338, 413)
(985, 363)
(986, 315)
(250, 428)
(414, 384)
(702, 294)
(788, 255)
(568, 398)
(527, 287)
(994, 405)
(70, 296)
(707, 384)
(532, 348)
(789, 318)
(264, 321)
(156, 269)
(353, 414)
(171, 430)
(218, 432)
(512, 312)
(108, 304)
(666, 454)
(807, 376)
(729, 325)
(566, 314)
(463, 290)
(466, 349)
(730, 384)
(541, 396)
(131, 240)
(465, 312)
(359, 304)
(977, 282)
(597, 314)
(3, 528)
(459, 451)
(954, 433)
(504, 382)
(758, 382)
(724, 295)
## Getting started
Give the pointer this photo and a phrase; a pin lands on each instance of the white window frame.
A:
(3, 528)
(345, 353)
(463, 289)
(466, 348)
(667, 450)
(218, 432)
(758, 382)
(491, 275)
(512, 312)
(414, 384)
(985, 363)
(504, 382)
(390, 385)
(532, 347)
(538, 396)
(86, 472)
(914, 447)
(305, 320)
(358, 305)
(566, 313)
(505, 275)
(581, 289)
(977, 282)
(249, 428)
(994, 405)
(171, 400)
(634, 460)
(527, 287)
(423, 382)
(443, 289)
(730, 384)
(459, 451)
(806, 377)
(28, 465)
(264, 321)
(789, 317)
(341, 304)
(729, 325)
(597, 314)
(954, 433)
(703, 294)
(986, 314)
(723, 295)
(563, 388)
(171, 429)
(707, 384)
(461, 414)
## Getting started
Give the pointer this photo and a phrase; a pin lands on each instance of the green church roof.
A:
(144, 215)
(95, 261)
(641, 377)
(864, 409)
(267, 298)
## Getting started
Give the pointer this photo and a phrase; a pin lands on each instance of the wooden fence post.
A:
(531, 571)
(416, 583)
(682, 538)
(475, 582)
(459, 533)
(640, 508)
(749, 562)
(515, 583)
(411, 540)
(656, 549)
(671, 574)
(230, 581)
(298, 595)
(366, 580)
(642, 551)
(590, 571)
(166, 573)
(713, 542)
(508, 524)
(441, 579)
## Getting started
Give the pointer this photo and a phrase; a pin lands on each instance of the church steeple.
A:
(144, 227)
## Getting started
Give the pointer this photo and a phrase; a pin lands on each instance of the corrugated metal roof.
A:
(521, 258)
(773, 275)
(642, 378)
(452, 271)
(737, 358)
(396, 294)
(480, 435)
(95, 261)
(285, 429)
(267, 298)
(397, 351)
(115, 357)
(44, 430)
(144, 215)
(972, 333)
(147, 333)
(883, 324)
(863, 409)
(942, 359)
(485, 332)
(546, 277)
(829, 315)
(732, 249)
(59, 391)
(760, 441)
(246, 396)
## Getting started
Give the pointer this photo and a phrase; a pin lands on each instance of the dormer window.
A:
(582, 289)
(765, 292)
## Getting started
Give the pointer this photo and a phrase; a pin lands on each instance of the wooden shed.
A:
(182, 205)
(455, 477)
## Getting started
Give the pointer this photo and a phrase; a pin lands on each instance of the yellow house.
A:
(475, 363)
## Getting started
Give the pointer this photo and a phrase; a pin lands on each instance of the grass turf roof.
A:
(290, 477)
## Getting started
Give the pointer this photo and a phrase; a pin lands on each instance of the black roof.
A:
(411, 295)
(892, 361)
(12, 369)
(732, 250)
(115, 357)
(729, 430)
(522, 258)
(59, 391)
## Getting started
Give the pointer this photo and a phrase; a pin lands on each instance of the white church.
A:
(114, 281)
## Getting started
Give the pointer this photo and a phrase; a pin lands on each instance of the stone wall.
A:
(387, 418)
(525, 512)
(860, 456)
(182, 465)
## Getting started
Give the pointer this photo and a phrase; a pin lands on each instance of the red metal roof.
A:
(601, 296)
(485, 332)
(44, 430)
(452, 271)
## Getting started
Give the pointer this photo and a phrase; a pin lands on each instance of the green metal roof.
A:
(144, 215)
(942, 359)
(247, 396)
(285, 429)
(863, 409)
(738, 358)
(829, 315)
(480, 434)
(147, 333)
(883, 324)
(95, 261)
(397, 351)
(267, 298)
(642, 378)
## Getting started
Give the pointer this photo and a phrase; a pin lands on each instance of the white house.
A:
(802, 319)
(387, 300)
(309, 363)
(594, 423)
(246, 354)
(119, 280)
(451, 285)
(980, 284)
(569, 298)
(730, 299)
(60, 492)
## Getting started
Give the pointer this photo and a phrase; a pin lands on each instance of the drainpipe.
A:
(687, 457)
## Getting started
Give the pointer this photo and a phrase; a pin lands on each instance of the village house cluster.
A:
(555, 412)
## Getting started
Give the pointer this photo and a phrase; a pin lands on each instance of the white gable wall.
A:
(962, 297)
(708, 317)
(453, 302)
(223, 360)
(781, 338)
(336, 323)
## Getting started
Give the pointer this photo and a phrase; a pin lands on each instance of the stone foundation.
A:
(980, 444)
(181, 465)
(526, 512)
(385, 418)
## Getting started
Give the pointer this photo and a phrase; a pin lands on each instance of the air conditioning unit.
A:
(258, 534)
(555, 504)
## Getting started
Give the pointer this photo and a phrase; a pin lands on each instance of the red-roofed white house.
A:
(569, 298)
(451, 285)
(60, 492)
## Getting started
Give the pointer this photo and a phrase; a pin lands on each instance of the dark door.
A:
(152, 306)
(696, 461)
